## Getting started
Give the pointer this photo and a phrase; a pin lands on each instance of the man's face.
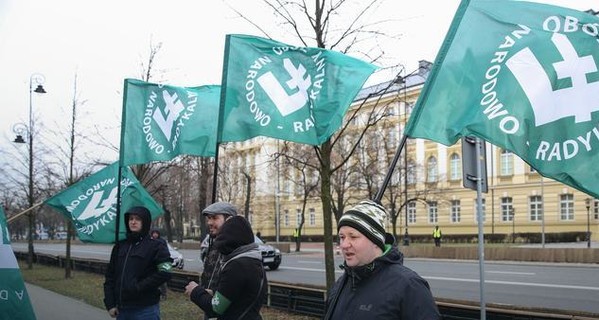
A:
(135, 223)
(215, 223)
(357, 249)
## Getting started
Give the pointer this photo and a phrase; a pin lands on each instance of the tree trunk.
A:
(325, 197)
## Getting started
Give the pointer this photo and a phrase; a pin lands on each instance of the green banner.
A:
(91, 203)
(523, 76)
(161, 122)
(297, 94)
(14, 300)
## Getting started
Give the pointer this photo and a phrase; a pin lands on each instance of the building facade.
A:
(520, 204)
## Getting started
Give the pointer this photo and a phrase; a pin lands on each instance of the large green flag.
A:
(160, 122)
(523, 76)
(14, 300)
(297, 94)
(91, 203)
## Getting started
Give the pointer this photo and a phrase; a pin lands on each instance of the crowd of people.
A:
(233, 285)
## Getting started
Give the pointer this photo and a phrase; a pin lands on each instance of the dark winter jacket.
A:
(242, 284)
(137, 267)
(383, 289)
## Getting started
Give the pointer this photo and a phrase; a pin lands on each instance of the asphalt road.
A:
(572, 287)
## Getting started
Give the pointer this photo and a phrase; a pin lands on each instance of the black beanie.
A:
(235, 232)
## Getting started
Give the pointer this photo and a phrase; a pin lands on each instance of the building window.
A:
(566, 207)
(455, 211)
(411, 172)
(412, 212)
(286, 217)
(506, 209)
(298, 217)
(431, 170)
(533, 170)
(312, 217)
(433, 216)
(483, 210)
(507, 168)
(455, 167)
(596, 209)
(536, 208)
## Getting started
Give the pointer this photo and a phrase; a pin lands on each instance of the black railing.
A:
(301, 299)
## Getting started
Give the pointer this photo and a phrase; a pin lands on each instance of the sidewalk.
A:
(49, 305)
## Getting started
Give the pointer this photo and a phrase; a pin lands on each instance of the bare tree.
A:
(303, 175)
(315, 23)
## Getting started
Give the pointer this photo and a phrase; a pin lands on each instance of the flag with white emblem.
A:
(297, 94)
(91, 203)
(161, 121)
(527, 84)
(14, 299)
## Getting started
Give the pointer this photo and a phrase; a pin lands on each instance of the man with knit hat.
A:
(215, 214)
(375, 283)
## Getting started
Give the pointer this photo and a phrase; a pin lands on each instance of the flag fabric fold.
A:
(160, 122)
(298, 94)
(523, 76)
(91, 203)
(15, 303)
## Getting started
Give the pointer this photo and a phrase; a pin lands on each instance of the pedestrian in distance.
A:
(242, 284)
(437, 236)
(215, 214)
(156, 236)
(375, 283)
(138, 266)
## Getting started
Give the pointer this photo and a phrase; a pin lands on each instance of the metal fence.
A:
(301, 299)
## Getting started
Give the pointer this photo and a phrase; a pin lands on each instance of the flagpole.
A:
(121, 152)
(23, 212)
(379, 194)
(214, 175)
(481, 239)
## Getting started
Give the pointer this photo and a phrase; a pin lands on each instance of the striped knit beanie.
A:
(368, 217)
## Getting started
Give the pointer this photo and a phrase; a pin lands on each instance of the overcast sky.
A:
(104, 42)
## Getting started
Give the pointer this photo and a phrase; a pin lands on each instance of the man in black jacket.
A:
(241, 288)
(138, 266)
(375, 284)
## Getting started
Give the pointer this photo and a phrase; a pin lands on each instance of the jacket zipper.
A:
(123, 276)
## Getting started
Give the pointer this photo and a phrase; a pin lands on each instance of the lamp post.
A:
(587, 203)
(38, 80)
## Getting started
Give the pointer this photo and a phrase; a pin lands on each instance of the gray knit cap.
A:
(368, 217)
(223, 208)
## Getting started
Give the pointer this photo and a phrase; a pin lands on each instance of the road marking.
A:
(527, 284)
(309, 262)
(512, 272)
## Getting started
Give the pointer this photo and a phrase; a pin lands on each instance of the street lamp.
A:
(587, 203)
(38, 80)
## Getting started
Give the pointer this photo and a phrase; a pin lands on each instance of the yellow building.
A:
(519, 202)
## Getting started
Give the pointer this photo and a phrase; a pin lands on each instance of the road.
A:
(572, 287)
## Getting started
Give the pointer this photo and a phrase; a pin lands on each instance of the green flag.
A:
(14, 300)
(91, 203)
(160, 122)
(523, 76)
(297, 94)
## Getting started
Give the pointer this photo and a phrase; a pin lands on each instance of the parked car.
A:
(271, 256)
(177, 257)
